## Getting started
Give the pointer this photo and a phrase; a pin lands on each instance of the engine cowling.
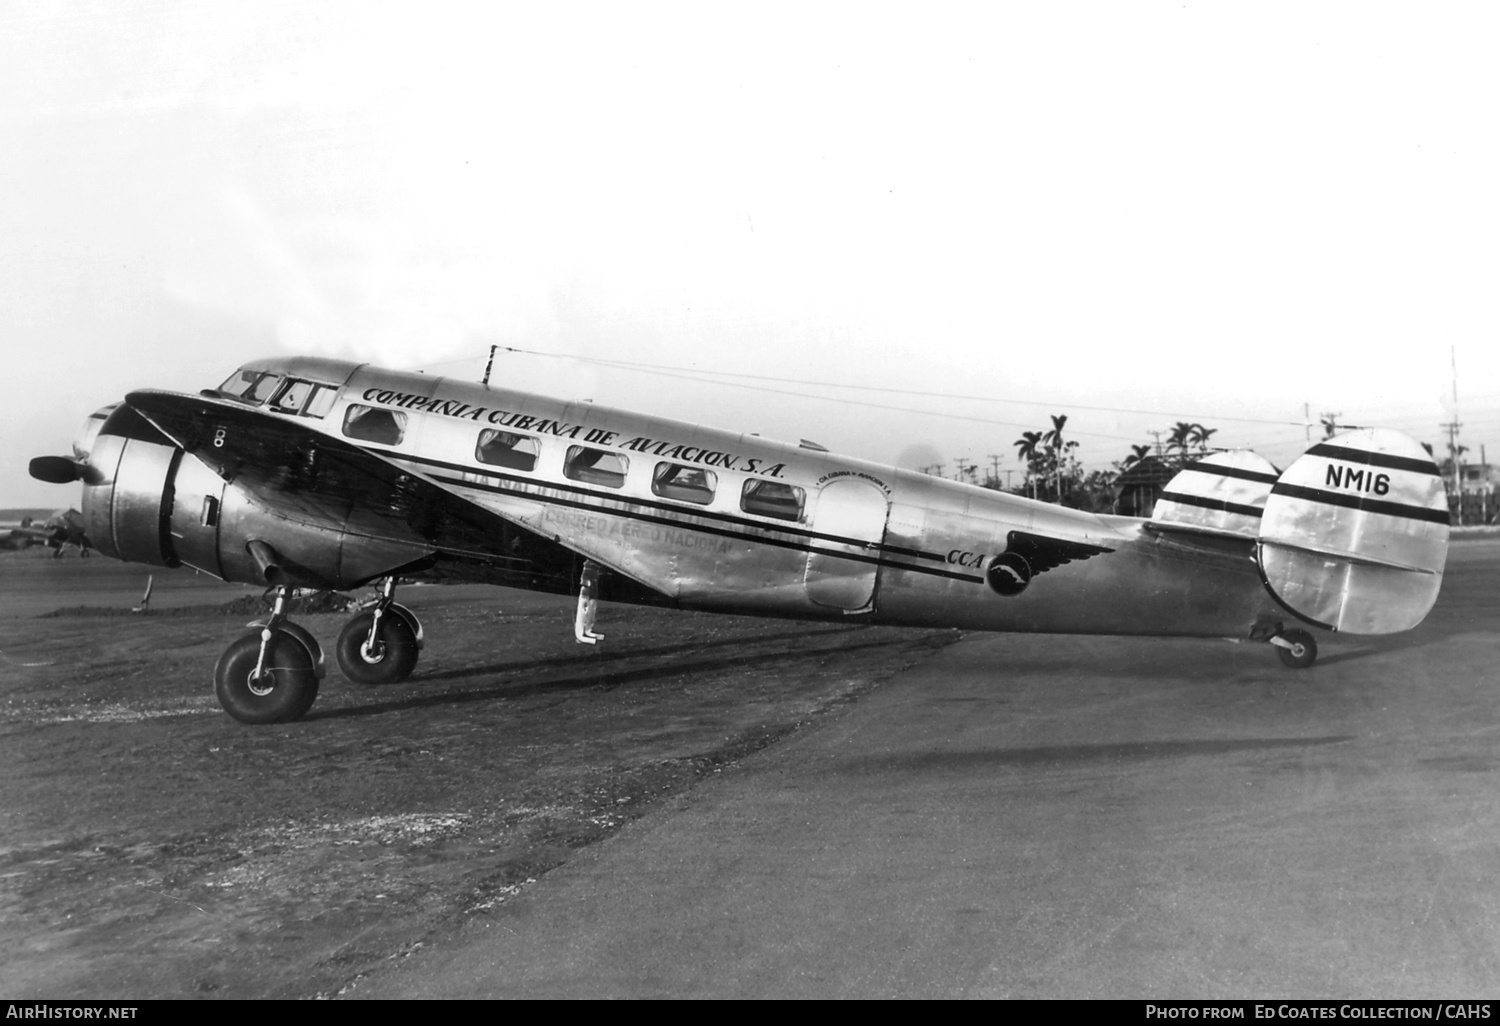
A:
(145, 500)
(127, 500)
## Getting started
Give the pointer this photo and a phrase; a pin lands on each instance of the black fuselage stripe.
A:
(1210, 503)
(783, 543)
(1374, 459)
(706, 514)
(1235, 472)
(1363, 503)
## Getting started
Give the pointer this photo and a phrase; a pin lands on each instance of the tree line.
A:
(1052, 472)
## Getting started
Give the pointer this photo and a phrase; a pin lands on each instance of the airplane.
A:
(57, 532)
(303, 472)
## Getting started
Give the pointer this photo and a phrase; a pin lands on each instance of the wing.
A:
(1043, 553)
(304, 475)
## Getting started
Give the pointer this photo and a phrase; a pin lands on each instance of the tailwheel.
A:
(267, 676)
(377, 648)
(1297, 649)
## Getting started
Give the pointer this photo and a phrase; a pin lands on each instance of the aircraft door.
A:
(197, 494)
(842, 568)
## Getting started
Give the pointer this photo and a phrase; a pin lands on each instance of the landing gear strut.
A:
(270, 675)
(588, 605)
(380, 645)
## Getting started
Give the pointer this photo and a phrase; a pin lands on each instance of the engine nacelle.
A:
(147, 501)
(127, 501)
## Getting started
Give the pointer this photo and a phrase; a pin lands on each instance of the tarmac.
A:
(1043, 816)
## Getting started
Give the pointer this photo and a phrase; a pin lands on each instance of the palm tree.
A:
(1179, 439)
(1057, 449)
(1027, 452)
(1200, 436)
(1137, 453)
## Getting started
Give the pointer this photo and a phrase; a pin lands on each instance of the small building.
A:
(1478, 492)
(1141, 485)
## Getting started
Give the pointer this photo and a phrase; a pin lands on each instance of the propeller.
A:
(57, 469)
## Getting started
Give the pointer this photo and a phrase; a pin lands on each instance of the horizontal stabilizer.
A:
(1354, 536)
(1224, 493)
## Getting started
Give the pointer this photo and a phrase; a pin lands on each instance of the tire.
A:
(396, 644)
(1305, 650)
(288, 690)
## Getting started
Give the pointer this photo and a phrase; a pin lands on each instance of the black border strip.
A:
(1238, 472)
(1265, 581)
(722, 532)
(625, 498)
(1210, 503)
(1363, 504)
(1373, 459)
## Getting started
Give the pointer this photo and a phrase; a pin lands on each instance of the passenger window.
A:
(503, 449)
(688, 484)
(595, 466)
(369, 424)
(772, 499)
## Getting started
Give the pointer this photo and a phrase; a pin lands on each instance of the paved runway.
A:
(1062, 817)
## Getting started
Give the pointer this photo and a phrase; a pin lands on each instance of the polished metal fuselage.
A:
(872, 542)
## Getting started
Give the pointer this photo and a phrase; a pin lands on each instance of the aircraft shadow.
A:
(597, 681)
(1134, 751)
(597, 656)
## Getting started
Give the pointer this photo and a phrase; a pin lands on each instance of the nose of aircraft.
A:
(65, 469)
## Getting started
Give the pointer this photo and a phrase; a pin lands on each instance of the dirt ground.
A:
(150, 847)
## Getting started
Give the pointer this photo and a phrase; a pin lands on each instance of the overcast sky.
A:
(1132, 213)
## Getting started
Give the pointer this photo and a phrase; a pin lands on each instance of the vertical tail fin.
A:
(1354, 536)
(1224, 492)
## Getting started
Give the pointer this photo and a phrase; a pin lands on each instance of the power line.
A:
(671, 370)
(711, 377)
(819, 398)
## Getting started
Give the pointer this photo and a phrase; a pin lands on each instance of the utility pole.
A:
(1453, 447)
(995, 469)
(1486, 492)
(1453, 450)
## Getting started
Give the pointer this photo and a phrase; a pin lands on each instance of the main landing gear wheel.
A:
(278, 688)
(1297, 649)
(386, 657)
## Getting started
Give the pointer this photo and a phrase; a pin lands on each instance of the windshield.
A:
(251, 385)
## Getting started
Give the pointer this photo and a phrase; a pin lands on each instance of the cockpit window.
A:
(239, 382)
(321, 401)
(251, 385)
(305, 398)
(291, 398)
